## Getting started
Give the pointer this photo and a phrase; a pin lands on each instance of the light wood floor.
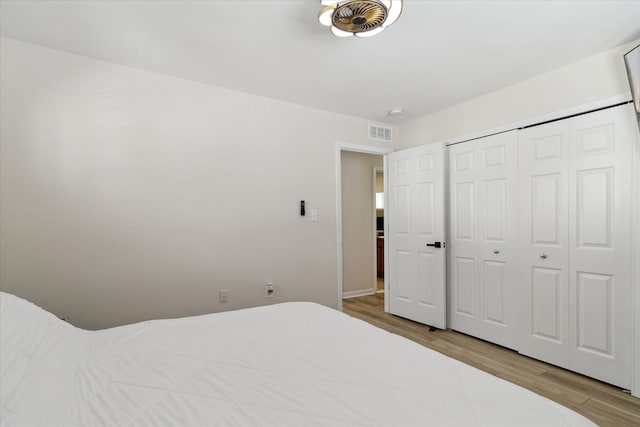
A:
(604, 404)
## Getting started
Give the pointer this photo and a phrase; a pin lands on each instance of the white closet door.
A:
(497, 244)
(575, 210)
(463, 239)
(416, 211)
(543, 213)
(600, 244)
(483, 296)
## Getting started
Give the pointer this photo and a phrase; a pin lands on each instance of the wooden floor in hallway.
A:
(606, 405)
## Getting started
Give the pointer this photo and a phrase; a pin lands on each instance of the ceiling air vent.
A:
(379, 133)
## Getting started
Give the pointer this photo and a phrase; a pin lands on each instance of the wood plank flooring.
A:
(606, 405)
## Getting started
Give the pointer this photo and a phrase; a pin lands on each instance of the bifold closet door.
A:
(543, 213)
(600, 181)
(575, 211)
(483, 240)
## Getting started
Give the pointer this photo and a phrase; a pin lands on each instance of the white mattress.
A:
(292, 364)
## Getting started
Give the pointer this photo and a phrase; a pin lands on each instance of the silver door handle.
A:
(543, 255)
(496, 251)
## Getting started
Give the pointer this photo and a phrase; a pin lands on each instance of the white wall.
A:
(358, 227)
(128, 195)
(592, 79)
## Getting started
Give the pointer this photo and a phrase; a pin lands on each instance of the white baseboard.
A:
(354, 294)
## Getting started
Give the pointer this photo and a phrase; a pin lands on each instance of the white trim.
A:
(360, 148)
(447, 234)
(635, 270)
(387, 305)
(602, 103)
(355, 294)
(367, 149)
(376, 170)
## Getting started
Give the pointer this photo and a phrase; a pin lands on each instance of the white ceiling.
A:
(438, 54)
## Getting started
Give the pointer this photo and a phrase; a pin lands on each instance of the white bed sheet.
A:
(291, 364)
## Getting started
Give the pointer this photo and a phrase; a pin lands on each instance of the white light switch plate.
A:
(314, 215)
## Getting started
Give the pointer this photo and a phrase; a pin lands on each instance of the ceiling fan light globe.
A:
(393, 12)
(325, 15)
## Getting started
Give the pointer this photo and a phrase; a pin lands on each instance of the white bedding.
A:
(292, 364)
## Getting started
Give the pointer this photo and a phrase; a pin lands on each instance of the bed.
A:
(290, 364)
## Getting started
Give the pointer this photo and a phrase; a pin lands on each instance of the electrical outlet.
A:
(223, 295)
(268, 290)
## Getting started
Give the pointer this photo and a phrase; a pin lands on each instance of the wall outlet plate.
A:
(268, 290)
(223, 295)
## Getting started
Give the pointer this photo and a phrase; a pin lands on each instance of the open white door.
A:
(415, 236)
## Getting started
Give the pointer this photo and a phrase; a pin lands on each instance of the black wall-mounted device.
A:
(302, 212)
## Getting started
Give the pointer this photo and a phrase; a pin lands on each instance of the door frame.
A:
(365, 149)
(635, 267)
(376, 171)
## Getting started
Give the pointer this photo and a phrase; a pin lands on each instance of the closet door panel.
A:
(595, 313)
(497, 238)
(547, 198)
(594, 197)
(464, 203)
(547, 302)
(463, 287)
(483, 296)
(543, 213)
(494, 210)
(599, 287)
(464, 292)
(495, 307)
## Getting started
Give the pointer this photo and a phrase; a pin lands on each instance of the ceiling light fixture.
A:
(360, 18)
(396, 112)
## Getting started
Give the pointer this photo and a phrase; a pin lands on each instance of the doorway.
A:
(356, 219)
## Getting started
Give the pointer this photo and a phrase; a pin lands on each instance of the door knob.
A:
(436, 244)
(496, 251)
(543, 255)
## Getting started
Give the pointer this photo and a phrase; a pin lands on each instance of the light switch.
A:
(314, 215)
